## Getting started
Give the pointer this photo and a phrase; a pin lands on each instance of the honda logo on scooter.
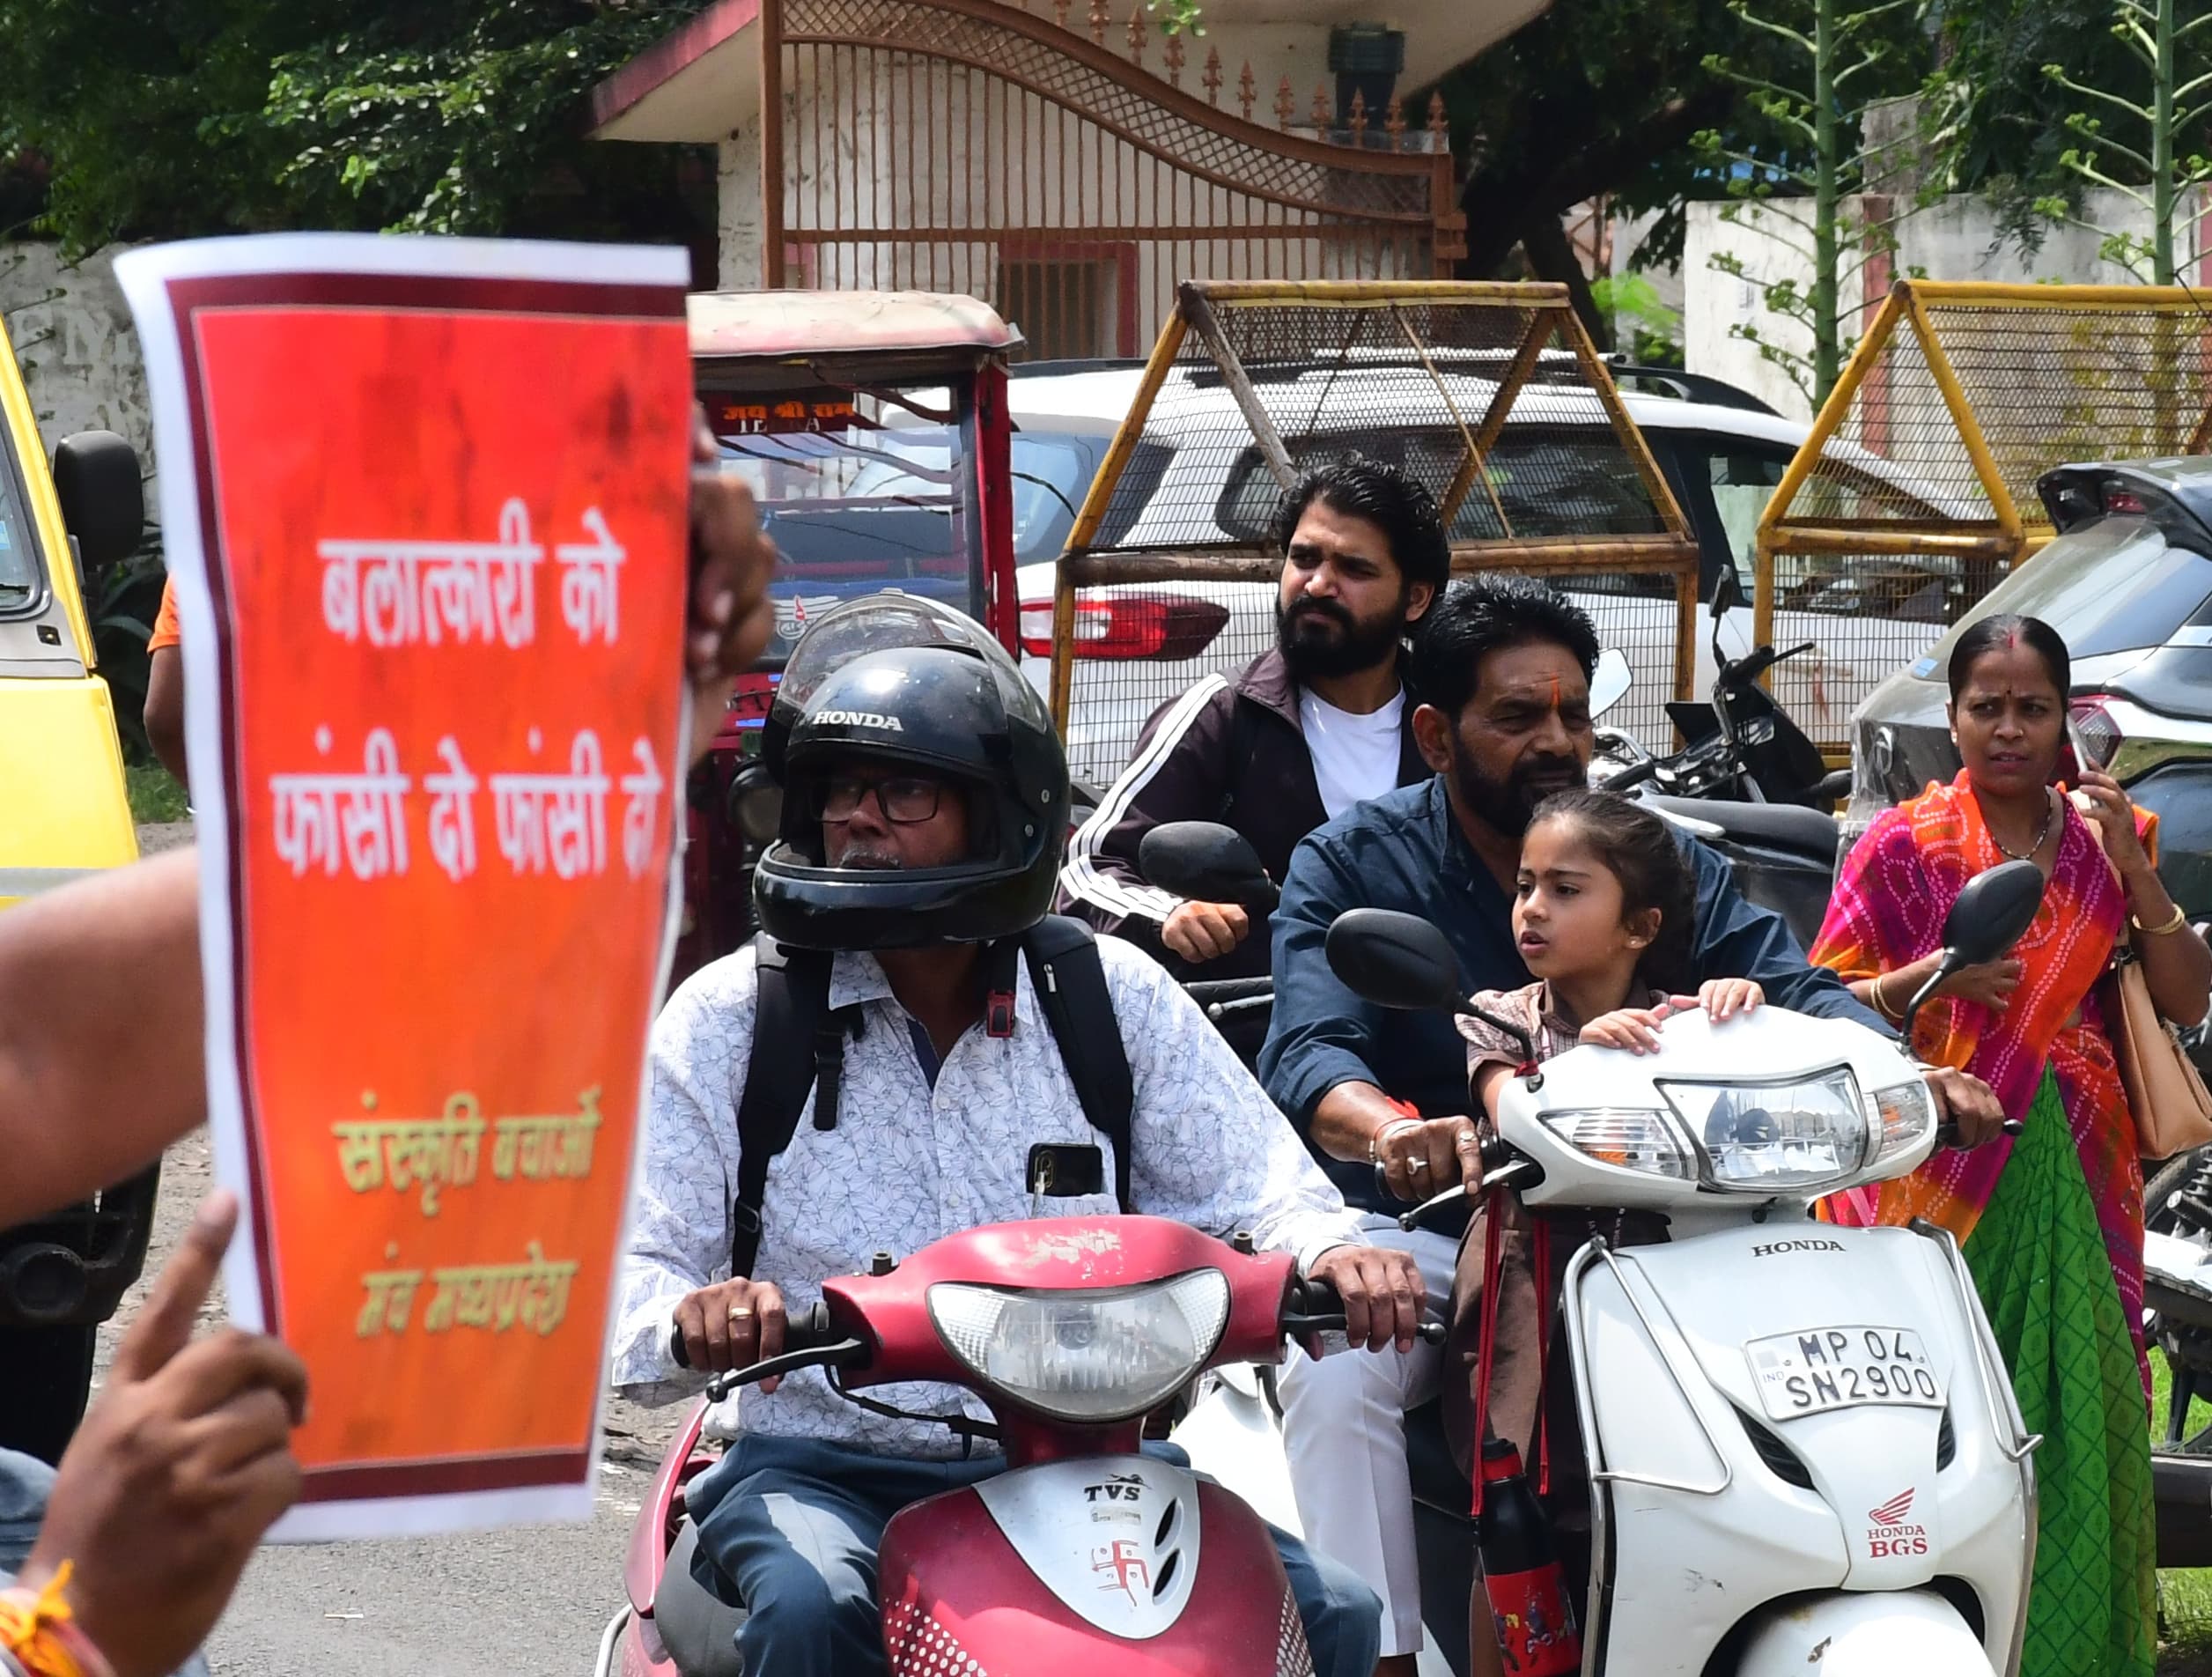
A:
(1891, 1535)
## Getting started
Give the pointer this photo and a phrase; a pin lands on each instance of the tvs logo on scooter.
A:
(1126, 1562)
(1118, 1488)
(1892, 1535)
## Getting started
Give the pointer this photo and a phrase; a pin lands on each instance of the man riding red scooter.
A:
(947, 1057)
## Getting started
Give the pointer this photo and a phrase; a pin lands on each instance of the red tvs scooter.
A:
(1084, 1556)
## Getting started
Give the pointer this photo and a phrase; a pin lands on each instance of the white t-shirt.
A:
(1354, 757)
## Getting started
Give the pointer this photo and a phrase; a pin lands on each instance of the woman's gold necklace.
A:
(2050, 814)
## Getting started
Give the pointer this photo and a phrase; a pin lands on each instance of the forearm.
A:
(1889, 993)
(2176, 966)
(101, 1028)
(1349, 1117)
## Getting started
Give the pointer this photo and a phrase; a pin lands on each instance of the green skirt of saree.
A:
(2040, 1263)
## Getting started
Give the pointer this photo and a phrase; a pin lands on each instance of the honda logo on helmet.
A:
(860, 718)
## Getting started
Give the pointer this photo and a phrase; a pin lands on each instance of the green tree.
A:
(1599, 97)
(196, 116)
(1834, 63)
(2171, 62)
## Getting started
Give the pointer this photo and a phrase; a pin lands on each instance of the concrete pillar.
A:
(738, 195)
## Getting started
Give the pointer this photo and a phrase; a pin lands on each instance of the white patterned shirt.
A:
(906, 1165)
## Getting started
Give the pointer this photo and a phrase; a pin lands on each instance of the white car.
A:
(1198, 480)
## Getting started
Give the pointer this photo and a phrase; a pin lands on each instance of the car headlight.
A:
(1625, 1137)
(1090, 1354)
(1904, 1113)
(1762, 1137)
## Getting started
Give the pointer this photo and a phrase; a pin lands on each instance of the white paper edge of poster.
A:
(145, 276)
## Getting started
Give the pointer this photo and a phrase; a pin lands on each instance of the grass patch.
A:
(155, 794)
(2185, 1598)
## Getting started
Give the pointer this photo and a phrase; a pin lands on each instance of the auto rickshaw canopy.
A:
(1916, 491)
(1491, 395)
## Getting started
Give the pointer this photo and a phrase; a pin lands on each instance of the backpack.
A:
(793, 1007)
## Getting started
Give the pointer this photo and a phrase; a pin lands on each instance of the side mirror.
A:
(1610, 682)
(1394, 960)
(1727, 593)
(1992, 913)
(1205, 862)
(103, 497)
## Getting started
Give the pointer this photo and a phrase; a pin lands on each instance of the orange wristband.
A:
(38, 1630)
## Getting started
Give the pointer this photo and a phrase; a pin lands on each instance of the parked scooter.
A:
(1085, 1555)
(1747, 781)
(1802, 1443)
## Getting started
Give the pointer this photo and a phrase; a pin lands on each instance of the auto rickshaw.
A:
(65, 814)
(871, 426)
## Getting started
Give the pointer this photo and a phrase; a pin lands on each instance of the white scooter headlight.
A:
(1091, 1354)
(1761, 1138)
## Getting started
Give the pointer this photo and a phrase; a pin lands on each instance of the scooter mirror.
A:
(1727, 593)
(1989, 915)
(1610, 682)
(1205, 862)
(1394, 960)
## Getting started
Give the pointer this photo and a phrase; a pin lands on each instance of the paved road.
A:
(522, 1603)
(528, 1602)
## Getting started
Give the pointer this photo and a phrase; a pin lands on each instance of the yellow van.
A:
(63, 813)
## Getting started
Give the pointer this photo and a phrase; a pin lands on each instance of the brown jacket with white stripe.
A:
(1230, 750)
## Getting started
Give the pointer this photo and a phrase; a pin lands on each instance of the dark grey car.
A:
(2127, 581)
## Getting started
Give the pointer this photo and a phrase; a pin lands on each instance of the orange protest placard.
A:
(428, 526)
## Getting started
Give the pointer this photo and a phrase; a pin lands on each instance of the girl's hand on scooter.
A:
(1725, 998)
(1382, 1290)
(1634, 1028)
(731, 1324)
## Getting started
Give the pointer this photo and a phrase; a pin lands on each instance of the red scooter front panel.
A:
(959, 1600)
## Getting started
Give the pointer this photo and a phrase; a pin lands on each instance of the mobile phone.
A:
(2077, 750)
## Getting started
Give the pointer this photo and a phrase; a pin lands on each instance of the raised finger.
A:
(163, 1327)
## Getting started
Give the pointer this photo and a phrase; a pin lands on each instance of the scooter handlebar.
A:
(804, 1331)
(1315, 1306)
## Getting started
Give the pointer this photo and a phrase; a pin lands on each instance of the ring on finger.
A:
(1416, 1164)
(740, 1312)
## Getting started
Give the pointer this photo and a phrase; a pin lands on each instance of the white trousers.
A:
(1344, 1431)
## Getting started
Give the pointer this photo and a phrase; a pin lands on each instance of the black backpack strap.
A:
(792, 1005)
(1070, 979)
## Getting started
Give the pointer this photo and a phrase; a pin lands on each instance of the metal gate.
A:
(972, 145)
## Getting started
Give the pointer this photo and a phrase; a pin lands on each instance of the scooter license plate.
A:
(1840, 1368)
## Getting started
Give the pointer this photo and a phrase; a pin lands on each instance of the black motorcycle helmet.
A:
(902, 680)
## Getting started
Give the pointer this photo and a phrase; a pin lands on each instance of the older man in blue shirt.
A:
(1502, 667)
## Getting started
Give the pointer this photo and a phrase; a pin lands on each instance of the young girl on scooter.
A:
(1602, 917)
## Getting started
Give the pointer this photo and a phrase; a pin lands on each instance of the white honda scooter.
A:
(1803, 1448)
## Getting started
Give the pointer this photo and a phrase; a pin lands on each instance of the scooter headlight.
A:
(1089, 1354)
(1627, 1138)
(1807, 1133)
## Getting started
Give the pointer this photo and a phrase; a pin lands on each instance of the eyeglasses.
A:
(903, 799)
